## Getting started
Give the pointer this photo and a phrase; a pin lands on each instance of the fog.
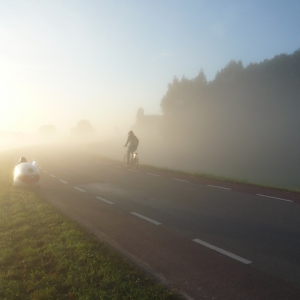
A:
(257, 149)
(258, 158)
(242, 125)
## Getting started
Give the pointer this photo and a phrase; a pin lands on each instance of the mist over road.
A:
(204, 240)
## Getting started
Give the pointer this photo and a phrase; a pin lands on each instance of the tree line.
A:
(245, 116)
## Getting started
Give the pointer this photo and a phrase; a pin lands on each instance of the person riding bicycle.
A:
(133, 144)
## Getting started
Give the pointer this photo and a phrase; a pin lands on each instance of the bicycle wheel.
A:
(125, 160)
(135, 163)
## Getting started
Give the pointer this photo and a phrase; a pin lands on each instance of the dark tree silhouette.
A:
(246, 114)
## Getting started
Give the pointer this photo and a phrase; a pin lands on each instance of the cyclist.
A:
(133, 144)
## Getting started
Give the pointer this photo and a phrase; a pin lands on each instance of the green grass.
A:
(44, 255)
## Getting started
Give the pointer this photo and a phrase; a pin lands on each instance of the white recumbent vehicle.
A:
(26, 174)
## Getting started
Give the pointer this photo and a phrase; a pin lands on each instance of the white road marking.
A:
(77, 188)
(132, 170)
(236, 257)
(153, 174)
(180, 180)
(45, 171)
(145, 218)
(275, 198)
(104, 200)
(219, 187)
(63, 181)
(52, 175)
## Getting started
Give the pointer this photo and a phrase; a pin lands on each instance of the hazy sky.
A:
(63, 61)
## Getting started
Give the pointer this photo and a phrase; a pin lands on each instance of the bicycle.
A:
(133, 160)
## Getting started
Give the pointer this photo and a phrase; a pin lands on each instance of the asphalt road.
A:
(205, 239)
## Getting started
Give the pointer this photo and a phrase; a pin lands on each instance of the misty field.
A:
(44, 255)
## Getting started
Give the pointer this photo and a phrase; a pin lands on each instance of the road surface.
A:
(205, 239)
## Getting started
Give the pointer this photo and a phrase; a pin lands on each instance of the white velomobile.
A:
(26, 174)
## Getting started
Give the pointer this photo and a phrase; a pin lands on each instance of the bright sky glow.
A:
(66, 60)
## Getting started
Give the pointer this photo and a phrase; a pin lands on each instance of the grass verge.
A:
(44, 255)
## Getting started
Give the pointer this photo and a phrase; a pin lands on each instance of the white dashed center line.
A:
(77, 188)
(180, 180)
(45, 171)
(52, 175)
(132, 170)
(236, 257)
(219, 187)
(153, 174)
(63, 181)
(104, 200)
(145, 218)
(275, 198)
